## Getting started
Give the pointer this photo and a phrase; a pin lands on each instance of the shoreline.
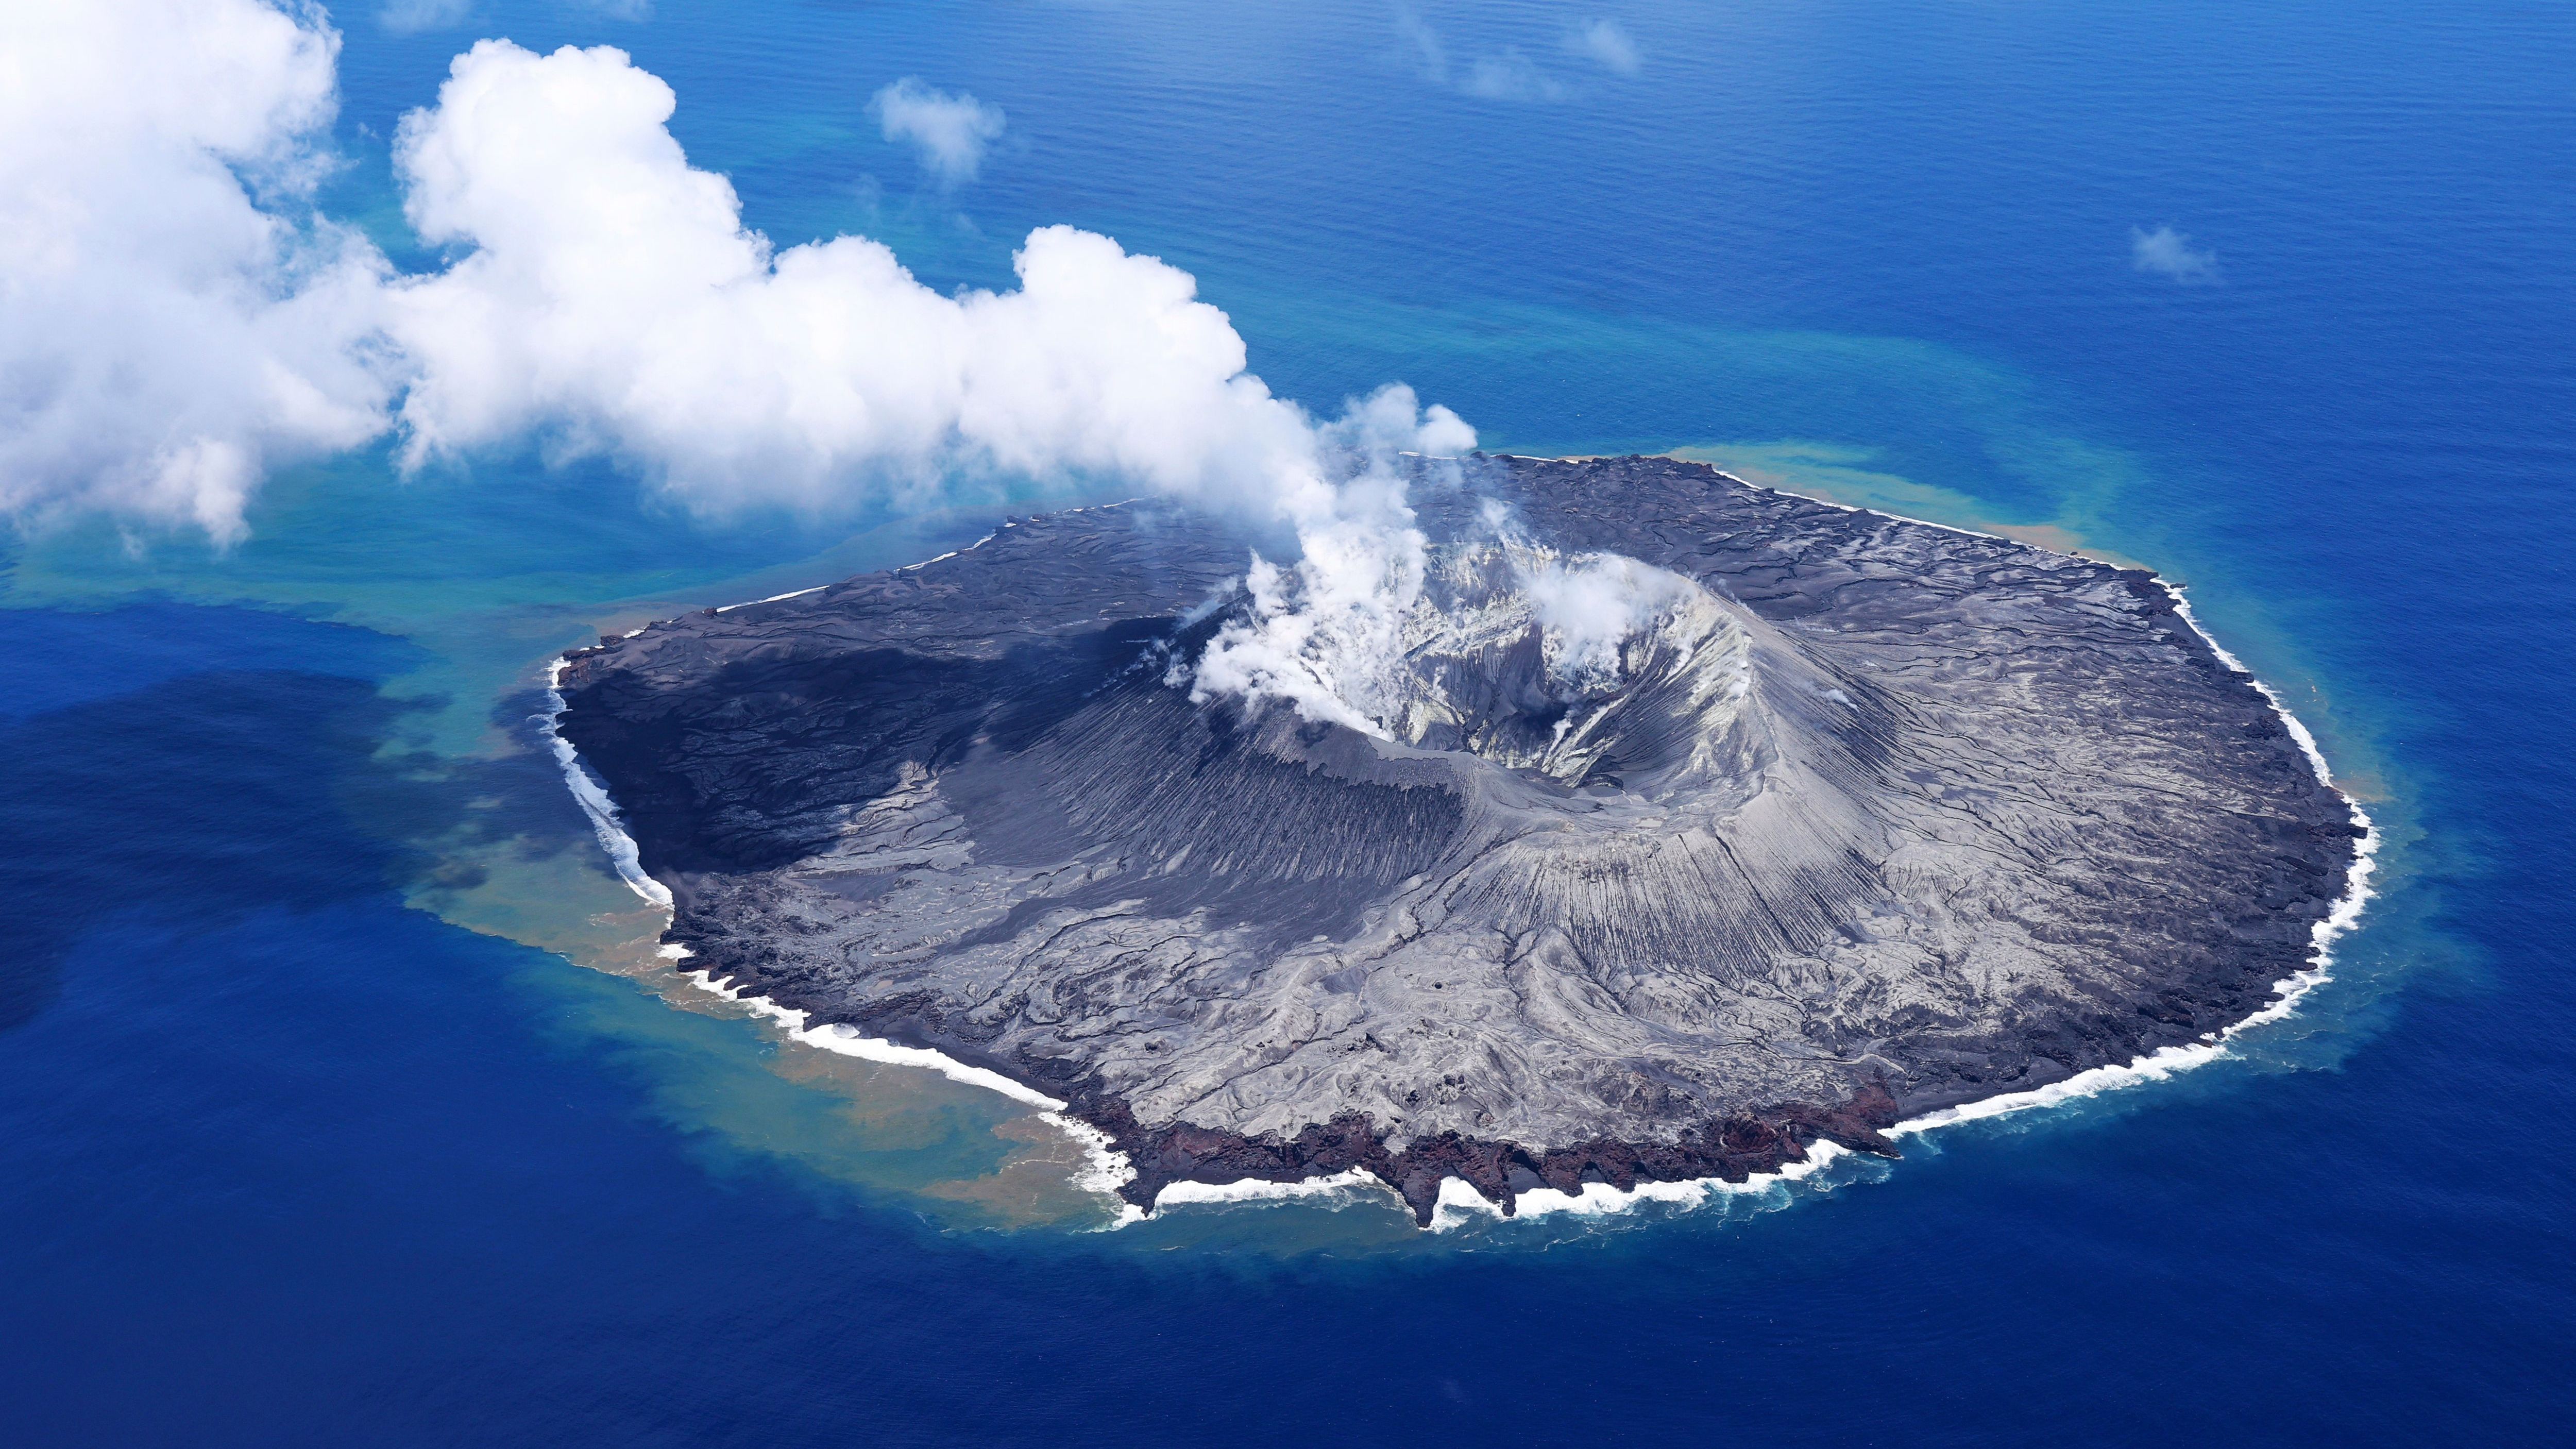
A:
(1459, 1201)
(1105, 1169)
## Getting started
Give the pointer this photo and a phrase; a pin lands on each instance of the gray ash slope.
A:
(1910, 817)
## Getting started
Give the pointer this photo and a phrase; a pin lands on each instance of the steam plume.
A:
(185, 326)
(174, 327)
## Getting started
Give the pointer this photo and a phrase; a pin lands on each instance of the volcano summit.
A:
(1682, 824)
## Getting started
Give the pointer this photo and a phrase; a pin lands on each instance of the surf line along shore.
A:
(1872, 682)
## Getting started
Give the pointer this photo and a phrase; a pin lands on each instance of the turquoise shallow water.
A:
(289, 1153)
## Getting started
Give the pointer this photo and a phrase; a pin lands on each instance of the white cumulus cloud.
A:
(2169, 253)
(412, 17)
(174, 329)
(948, 132)
(1430, 52)
(612, 301)
(1606, 44)
(1508, 75)
(1501, 75)
(168, 333)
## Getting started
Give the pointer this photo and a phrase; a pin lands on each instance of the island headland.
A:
(1853, 818)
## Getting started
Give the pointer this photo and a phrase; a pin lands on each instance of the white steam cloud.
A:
(1320, 637)
(1589, 606)
(949, 133)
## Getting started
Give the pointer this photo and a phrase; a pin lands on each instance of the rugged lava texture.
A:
(1878, 817)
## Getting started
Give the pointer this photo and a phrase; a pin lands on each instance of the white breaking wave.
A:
(1460, 1203)
(604, 820)
(845, 1040)
(1343, 1188)
(1104, 1170)
(772, 599)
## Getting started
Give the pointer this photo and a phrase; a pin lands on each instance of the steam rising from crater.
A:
(1366, 628)
(1493, 645)
(606, 298)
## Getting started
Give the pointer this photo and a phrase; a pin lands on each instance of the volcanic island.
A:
(1876, 817)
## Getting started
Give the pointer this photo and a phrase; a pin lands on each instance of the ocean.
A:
(343, 1099)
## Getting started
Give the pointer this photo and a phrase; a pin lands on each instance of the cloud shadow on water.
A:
(191, 766)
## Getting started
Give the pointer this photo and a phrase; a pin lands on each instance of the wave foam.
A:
(1460, 1203)
(845, 1040)
(1347, 1187)
(1104, 1169)
(605, 822)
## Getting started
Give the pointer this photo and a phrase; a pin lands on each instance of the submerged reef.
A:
(1685, 824)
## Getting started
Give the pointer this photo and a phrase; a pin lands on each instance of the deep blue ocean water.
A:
(288, 1154)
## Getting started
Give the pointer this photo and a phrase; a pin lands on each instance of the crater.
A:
(1590, 669)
